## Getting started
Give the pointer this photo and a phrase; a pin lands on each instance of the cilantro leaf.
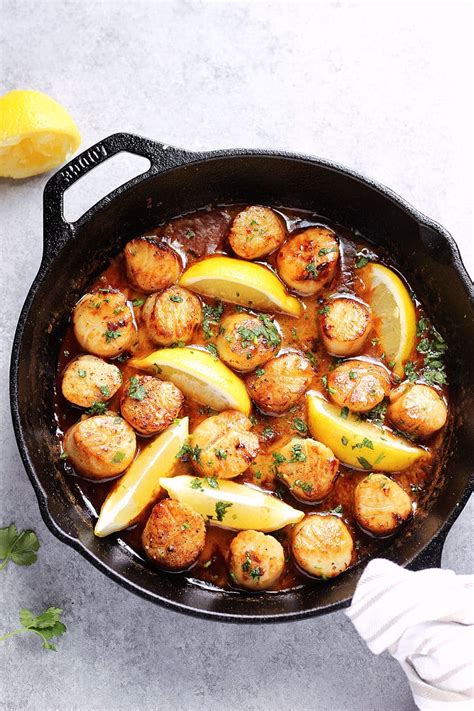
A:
(47, 625)
(21, 548)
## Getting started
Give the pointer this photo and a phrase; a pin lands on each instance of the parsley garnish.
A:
(118, 457)
(221, 453)
(197, 484)
(188, 452)
(324, 310)
(298, 454)
(268, 432)
(46, 626)
(212, 348)
(135, 390)
(337, 510)
(361, 262)
(365, 443)
(82, 373)
(221, 509)
(364, 463)
(138, 302)
(300, 425)
(344, 413)
(212, 481)
(344, 441)
(211, 317)
(304, 485)
(111, 335)
(20, 548)
(312, 270)
(176, 298)
(104, 390)
(259, 372)
(97, 408)
(326, 250)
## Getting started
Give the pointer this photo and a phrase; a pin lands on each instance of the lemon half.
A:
(140, 485)
(199, 375)
(358, 444)
(394, 311)
(36, 134)
(239, 282)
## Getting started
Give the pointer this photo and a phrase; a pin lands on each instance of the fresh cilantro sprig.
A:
(46, 626)
(21, 548)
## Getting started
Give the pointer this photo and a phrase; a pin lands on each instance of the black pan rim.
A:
(50, 521)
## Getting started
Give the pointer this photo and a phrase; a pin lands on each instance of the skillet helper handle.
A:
(161, 156)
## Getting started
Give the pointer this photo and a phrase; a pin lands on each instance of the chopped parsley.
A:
(304, 485)
(196, 484)
(364, 463)
(266, 330)
(212, 482)
(176, 298)
(97, 408)
(344, 441)
(361, 262)
(268, 432)
(300, 425)
(190, 234)
(298, 454)
(212, 348)
(324, 310)
(135, 390)
(365, 443)
(259, 372)
(138, 302)
(312, 270)
(221, 510)
(352, 375)
(344, 413)
(187, 452)
(104, 390)
(82, 373)
(221, 453)
(337, 510)
(118, 457)
(326, 250)
(211, 317)
(111, 335)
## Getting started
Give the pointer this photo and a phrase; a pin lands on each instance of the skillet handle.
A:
(161, 156)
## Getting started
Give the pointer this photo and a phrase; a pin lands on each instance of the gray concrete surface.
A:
(378, 87)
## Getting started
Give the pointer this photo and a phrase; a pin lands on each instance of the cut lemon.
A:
(358, 444)
(140, 485)
(230, 505)
(240, 282)
(199, 375)
(36, 134)
(395, 316)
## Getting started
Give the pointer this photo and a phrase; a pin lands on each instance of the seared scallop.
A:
(172, 316)
(307, 467)
(88, 379)
(380, 504)
(256, 560)
(150, 405)
(174, 535)
(284, 381)
(100, 447)
(358, 385)
(247, 341)
(223, 445)
(103, 323)
(255, 232)
(307, 262)
(322, 545)
(344, 324)
(151, 265)
(417, 409)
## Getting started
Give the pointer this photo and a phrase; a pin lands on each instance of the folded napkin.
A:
(426, 621)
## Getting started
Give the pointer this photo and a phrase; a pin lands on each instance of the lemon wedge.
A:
(240, 282)
(36, 134)
(229, 505)
(358, 444)
(199, 375)
(394, 311)
(140, 485)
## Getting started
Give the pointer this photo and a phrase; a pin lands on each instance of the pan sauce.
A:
(201, 234)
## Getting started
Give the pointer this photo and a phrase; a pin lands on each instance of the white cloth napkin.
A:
(426, 621)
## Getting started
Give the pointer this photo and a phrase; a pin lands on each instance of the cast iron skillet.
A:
(179, 181)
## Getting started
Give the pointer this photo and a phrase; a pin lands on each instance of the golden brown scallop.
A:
(308, 468)
(322, 545)
(284, 381)
(88, 379)
(101, 446)
(223, 445)
(344, 325)
(151, 265)
(103, 323)
(417, 409)
(255, 232)
(380, 504)
(171, 316)
(246, 342)
(174, 535)
(307, 262)
(358, 384)
(150, 405)
(256, 560)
